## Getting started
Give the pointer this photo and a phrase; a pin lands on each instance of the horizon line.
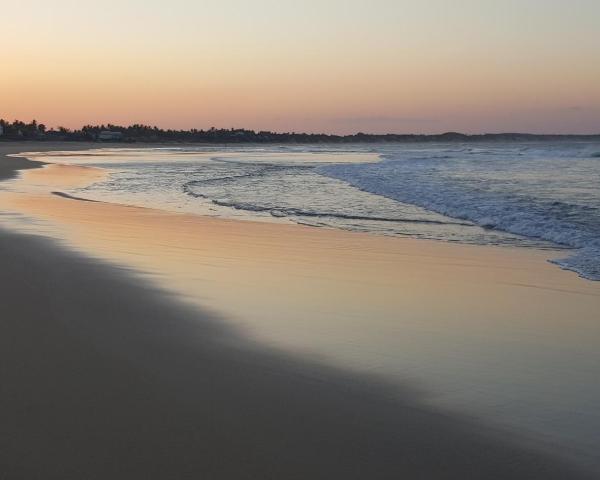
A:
(109, 125)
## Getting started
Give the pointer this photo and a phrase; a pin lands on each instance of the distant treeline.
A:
(33, 130)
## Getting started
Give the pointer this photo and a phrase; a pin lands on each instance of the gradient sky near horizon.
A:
(338, 66)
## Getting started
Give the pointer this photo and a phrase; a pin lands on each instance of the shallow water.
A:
(517, 194)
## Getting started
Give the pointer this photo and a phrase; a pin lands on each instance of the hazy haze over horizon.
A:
(338, 66)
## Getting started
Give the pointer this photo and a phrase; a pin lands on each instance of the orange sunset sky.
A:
(333, 66)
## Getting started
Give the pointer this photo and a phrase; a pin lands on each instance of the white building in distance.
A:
(107, 135)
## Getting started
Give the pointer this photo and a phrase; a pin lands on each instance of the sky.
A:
(335, 66)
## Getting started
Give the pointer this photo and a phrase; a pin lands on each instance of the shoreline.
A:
(124, 366)
(540, 243)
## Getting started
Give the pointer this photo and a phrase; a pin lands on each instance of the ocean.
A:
(538, 194)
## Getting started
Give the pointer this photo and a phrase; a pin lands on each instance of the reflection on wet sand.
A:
(61, 175)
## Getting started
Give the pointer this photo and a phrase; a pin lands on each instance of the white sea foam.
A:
(526, 194)
(550, 192)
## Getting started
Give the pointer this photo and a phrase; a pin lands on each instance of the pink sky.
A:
(347, 66)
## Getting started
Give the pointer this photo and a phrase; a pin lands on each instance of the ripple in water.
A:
(536, 194)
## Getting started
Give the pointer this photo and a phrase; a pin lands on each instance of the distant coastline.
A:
(34, 131)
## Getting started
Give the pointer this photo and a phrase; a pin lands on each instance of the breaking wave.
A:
(512, 196)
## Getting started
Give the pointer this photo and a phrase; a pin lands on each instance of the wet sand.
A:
(105, 374)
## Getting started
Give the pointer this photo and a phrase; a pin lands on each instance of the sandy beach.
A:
(138, 343)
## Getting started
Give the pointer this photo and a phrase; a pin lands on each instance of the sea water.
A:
(538, 194)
